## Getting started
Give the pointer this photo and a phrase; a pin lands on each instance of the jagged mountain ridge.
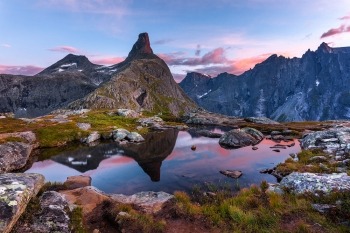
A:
(313, 87)
(147, 84)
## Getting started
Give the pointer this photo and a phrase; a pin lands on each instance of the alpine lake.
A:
(164, 162)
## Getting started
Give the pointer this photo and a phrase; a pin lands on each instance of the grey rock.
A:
(261, 120)
(134, 137)
(151, 121)
(310, 182)
(240, 137)
(333, 140)
(120, 134)
(202, 117)
(14, 156)
(53, 216)
(127, 113)
(275, 133)
(150, 202)
(16, 190)
(208, 133)
(94, 136)
(84, 126)
(283, 89)
(323, 208)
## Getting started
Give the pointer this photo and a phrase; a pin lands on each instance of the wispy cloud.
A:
(6, 45)
(64, 49)
(108, 60)
(162, 41)
(339, 30)
(216, 56)
(335, 31)
(20, 70)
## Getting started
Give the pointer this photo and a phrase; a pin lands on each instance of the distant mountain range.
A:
(142, 82)
(313, 87)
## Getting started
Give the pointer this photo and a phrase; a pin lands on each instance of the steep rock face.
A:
(313, 87)
(143, 81)
(30, 96)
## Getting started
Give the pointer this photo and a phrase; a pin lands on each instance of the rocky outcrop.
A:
(52, 217)
(202, 117)
(314, 183)
(16, 190)
(149, 202)
(335, 140)
(312, 87)
(261, 120)
(143, 81)
(127, 113)
(240, 137)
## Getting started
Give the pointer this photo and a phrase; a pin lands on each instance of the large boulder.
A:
(52, 217)
(14, 156)
(150, 202)
(310, 182)
(335, 140)
(241, 137)
(16, 190)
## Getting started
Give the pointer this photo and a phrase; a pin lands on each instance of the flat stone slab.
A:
(16, 190)
(150, 202)
(74, 182)
(310, 182)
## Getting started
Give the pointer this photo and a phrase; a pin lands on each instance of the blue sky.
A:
(190, 35)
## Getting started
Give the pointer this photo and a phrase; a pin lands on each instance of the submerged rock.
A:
(208, 133)
(241, 137)
(150, 202)
(310, 182)
(233, 174)
(16, 190)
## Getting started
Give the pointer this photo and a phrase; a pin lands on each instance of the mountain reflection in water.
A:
(167, 158)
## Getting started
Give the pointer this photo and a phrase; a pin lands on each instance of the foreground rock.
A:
(53, 215)
(150, 202)
(89, 197)
(241, 137)
(16, 190)
(310, 182)
(14, 156)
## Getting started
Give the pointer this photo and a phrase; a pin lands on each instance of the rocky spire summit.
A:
(141, 47)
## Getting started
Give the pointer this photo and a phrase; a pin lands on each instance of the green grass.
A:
(304, 164)
(76, 223)
(255, 210)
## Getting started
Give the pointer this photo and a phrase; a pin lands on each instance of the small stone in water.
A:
(233, 174)
(254, 148)
(193, 147)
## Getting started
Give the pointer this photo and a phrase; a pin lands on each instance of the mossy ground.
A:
(304, 163)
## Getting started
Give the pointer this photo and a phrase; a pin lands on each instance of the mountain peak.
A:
(141, 46)
(324, 47)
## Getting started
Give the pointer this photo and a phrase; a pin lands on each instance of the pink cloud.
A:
(65, 49)
(216, 56)
(108, 60)
(335, 31)
(345, 17)
(20, 70)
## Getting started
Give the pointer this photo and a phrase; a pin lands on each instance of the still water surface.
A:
(165, 162)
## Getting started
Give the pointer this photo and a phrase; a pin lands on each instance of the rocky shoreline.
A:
(16, 148)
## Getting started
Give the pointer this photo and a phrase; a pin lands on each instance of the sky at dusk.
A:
(190, 35)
